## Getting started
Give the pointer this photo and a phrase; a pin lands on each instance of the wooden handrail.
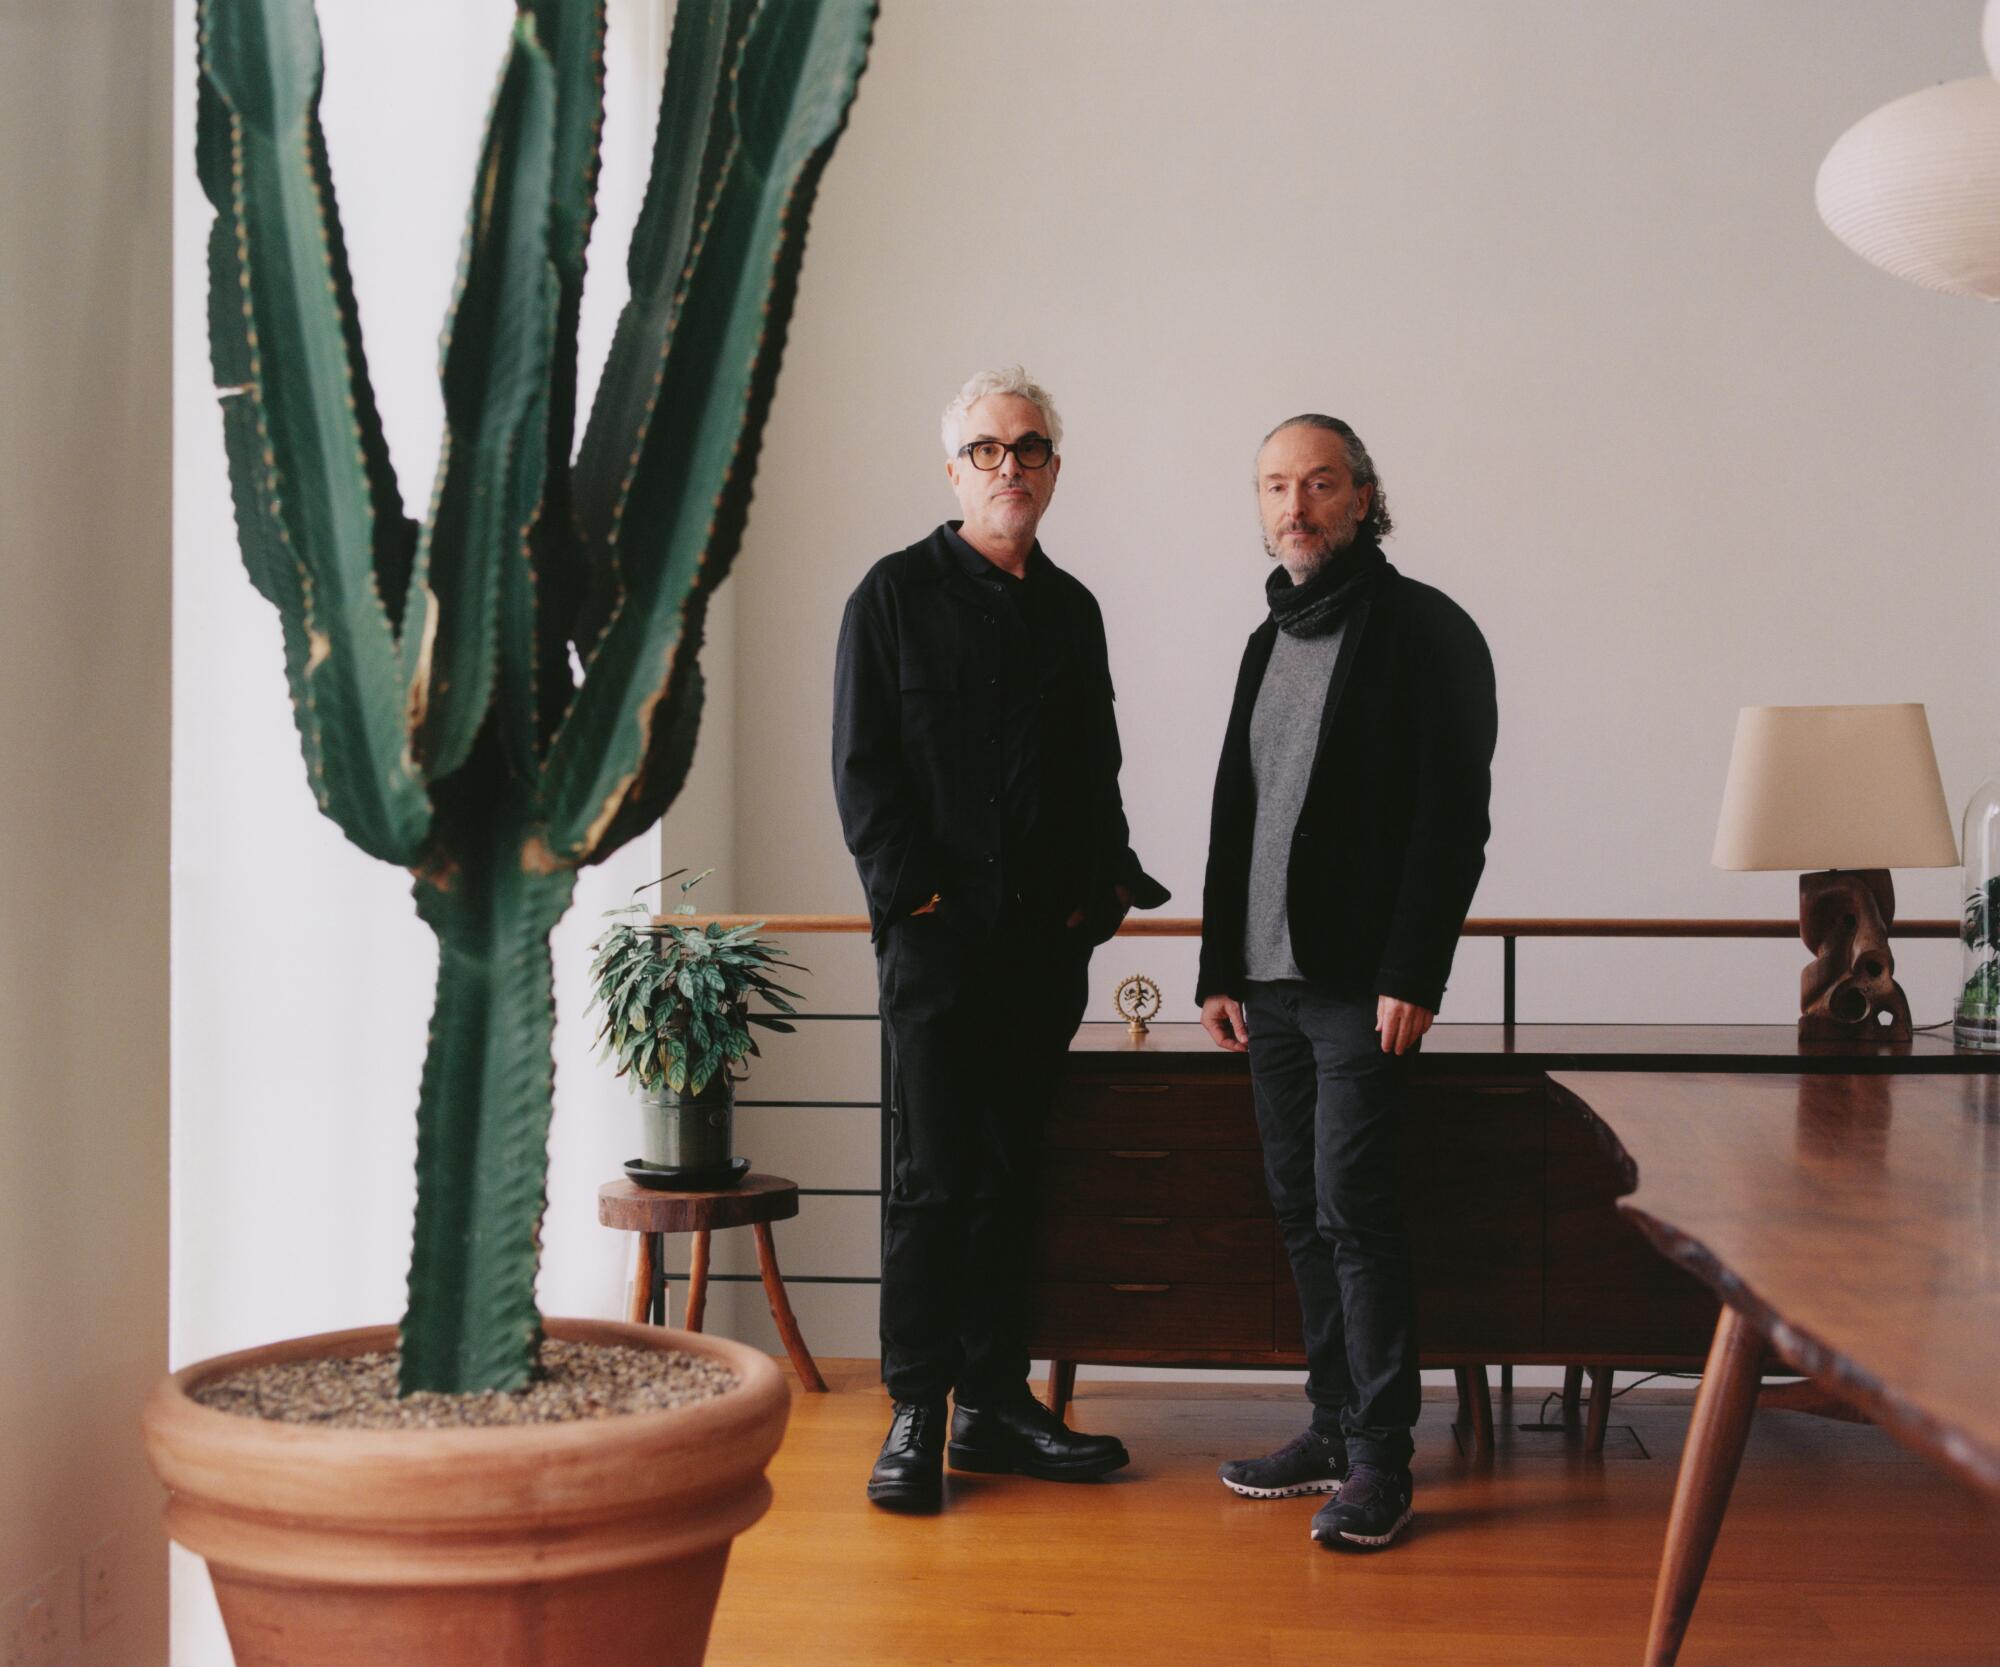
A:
(1189, 926)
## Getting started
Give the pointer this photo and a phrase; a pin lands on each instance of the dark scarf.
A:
(1321, 603)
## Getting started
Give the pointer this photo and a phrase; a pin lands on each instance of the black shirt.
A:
(975, 749)
(1039, 803)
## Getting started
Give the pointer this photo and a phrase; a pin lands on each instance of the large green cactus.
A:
(431, 666)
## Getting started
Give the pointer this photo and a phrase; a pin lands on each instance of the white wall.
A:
(1675, 448)
(84, 272)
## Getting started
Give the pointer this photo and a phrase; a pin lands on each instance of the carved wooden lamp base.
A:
(1849, 993)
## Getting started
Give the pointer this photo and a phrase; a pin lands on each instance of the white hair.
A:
(1012, 380)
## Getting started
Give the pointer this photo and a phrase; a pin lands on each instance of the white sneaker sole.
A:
(1368, 1542)
(1330, 1486)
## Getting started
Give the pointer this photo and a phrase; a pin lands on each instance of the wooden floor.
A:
(1840, 1548)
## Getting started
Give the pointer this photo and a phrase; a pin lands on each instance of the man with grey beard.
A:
(1348, 834)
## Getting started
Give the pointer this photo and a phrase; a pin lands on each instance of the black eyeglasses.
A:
(1031, 451)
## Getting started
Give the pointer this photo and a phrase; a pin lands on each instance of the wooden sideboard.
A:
(1157, 1244)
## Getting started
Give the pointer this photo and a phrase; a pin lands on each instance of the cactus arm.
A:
(572, 33)
(689, 492)
(497, 344)
(395, 542)
(315, 496)
(483, 1111)
(690, 143)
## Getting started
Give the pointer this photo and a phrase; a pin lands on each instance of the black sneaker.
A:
(909, 1471)
(1308, 1463)
(1371, 1511)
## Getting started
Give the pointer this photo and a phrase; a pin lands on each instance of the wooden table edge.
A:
(1799, 1348)
(1813, 1357)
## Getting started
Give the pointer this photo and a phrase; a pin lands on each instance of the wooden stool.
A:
(756, 1202)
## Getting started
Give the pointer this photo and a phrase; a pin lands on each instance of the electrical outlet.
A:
(101, 1585)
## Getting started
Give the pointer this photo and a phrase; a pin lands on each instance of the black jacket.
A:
(1390, 842)
(918, 771)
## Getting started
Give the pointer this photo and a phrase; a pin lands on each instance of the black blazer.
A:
(1391, 839)
(916, 773)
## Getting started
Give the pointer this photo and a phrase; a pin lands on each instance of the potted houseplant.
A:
(676, 1005)
(444, 731)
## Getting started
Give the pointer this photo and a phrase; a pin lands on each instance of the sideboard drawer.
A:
(1174, 1319)
(1155, 1181)
(1153, 1248)
(1149, 1111)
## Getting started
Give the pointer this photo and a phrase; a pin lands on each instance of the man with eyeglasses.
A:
(1348, 833)
(975, 765)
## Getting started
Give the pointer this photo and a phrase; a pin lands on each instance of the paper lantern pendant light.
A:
(1914, 187)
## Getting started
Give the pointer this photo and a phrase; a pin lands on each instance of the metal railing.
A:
(1508, 929)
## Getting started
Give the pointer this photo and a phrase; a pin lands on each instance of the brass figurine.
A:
(1137, 1000)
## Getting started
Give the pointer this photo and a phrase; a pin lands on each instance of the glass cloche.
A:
(1978, 1022)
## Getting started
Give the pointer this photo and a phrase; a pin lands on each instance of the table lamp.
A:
(1852, 792)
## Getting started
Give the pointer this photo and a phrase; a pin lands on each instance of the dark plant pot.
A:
(689, 1131)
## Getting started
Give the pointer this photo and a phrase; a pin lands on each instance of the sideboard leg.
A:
(1716, 1435)
(1572, 1394)
(1062, 1385)
(1482, 1412)
(1600, 1409)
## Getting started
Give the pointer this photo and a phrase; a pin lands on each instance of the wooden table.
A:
(755, 1202)
(1851, 1227)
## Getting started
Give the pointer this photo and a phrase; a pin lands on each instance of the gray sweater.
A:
(1284, 735)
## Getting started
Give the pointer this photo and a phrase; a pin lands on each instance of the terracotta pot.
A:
(601, 1541)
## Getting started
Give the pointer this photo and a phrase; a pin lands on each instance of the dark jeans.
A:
(1329, 1111)
(978, 1027)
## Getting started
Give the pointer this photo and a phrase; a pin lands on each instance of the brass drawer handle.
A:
(1142, 1287)
(1139, 1154)
(1140, 1221)
(1142, 1087)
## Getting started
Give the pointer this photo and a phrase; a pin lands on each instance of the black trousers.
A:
(978, 1028)
(1329, 1111)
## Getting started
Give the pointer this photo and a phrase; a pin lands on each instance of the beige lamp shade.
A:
(1851, 787)
(1914, 188)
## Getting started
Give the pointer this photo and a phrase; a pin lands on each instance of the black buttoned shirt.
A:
(975, 749)
(1030, 679)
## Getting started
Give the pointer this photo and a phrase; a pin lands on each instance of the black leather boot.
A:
(1015, 1434)
(909, 1471)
